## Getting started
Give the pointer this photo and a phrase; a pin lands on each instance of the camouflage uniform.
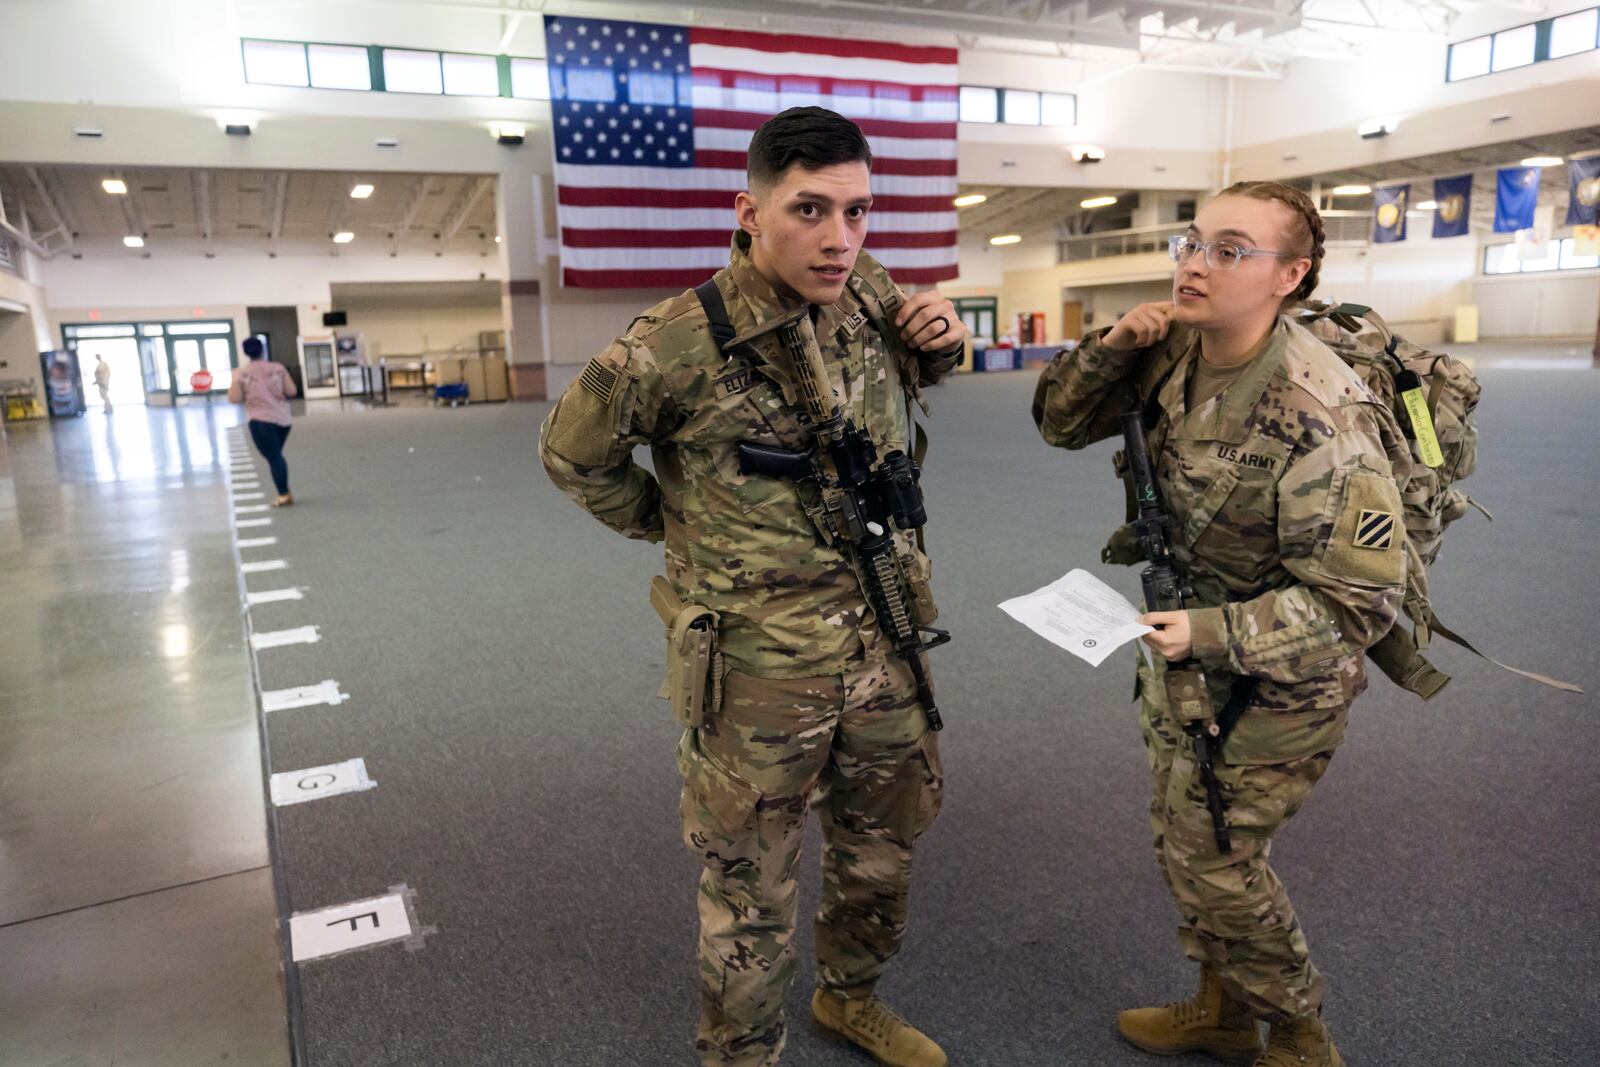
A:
(811, 705)
(1289, 523)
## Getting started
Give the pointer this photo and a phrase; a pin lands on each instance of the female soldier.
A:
(1278, 467)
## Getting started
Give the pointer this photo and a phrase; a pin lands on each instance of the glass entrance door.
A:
(162, 357)
(196, 346)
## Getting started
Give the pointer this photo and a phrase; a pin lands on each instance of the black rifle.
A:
(866, 498)
(1166, 588)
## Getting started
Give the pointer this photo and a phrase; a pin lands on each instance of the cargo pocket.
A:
(758, 415)
(931, 797)
(1288, 722)
(715, 801)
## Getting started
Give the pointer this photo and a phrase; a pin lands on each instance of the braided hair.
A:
(1306, 234)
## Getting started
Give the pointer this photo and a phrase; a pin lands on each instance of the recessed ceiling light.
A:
(133, 241)
(1543, 161)
(343, 237)
(1006, 239)
(115, 186)
(1351, 190)
(1098, 201)
(1426, 205)
(496, 238)
(969, 200)
(361, 191)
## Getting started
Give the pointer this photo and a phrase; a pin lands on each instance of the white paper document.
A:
(1081, 614)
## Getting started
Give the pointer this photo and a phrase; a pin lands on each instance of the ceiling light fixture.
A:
(1543, 161)
(133, 241)
(1006, 239)
(361, 191)
(115, 186)
(509, 133)
(343, 237)
(1372, 129)
(1351, 190)
(1098, 201)
(969, 200)
(1426, 205)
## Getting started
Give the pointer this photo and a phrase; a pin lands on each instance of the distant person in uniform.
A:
(793, 695)
(265, 389)
(1278, 467)
(102, 381)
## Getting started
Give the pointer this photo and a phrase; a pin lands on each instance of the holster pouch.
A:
(694, 667)
(1189, 696)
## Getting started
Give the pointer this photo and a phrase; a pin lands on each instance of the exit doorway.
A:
(159, 360)
(126, 386)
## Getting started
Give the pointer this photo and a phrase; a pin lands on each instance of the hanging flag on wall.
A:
(651, 125)
(1454, 199)
(1583, 206)
(1389, 215)
(1516, 193)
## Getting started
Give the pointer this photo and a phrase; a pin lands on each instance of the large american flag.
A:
(652, 123)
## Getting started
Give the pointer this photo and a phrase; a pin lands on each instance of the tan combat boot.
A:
(873, 1025)
(1301, 1043)
(1210, 1021)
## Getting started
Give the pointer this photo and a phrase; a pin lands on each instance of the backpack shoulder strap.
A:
(716, 312)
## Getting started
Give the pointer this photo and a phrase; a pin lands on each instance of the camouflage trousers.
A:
(1235, 914)
(856, 747)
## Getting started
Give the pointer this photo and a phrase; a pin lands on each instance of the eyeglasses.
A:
(1220, 255)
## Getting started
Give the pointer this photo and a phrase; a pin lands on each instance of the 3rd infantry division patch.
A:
(1375, 530)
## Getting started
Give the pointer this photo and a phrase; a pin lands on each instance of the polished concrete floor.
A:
(137, 914)
(499, 663)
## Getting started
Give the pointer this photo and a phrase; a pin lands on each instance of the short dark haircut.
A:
(252, 347)
(809, 137)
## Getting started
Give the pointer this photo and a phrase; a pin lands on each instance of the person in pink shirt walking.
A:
(265, 389)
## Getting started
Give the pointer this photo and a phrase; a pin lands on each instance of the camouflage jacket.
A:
(741, 545)
(1287, 515)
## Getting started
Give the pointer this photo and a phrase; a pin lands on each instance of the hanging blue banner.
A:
(1453, 197)
(1389, 213)
(1583, 206)
(1516, 195)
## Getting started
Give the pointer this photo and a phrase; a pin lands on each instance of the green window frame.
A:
(1541, 46)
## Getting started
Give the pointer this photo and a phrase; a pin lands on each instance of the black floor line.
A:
(134, 896)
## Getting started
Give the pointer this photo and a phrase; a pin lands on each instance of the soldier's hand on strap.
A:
(1141, 327)
(1172, 637)
(928, 321)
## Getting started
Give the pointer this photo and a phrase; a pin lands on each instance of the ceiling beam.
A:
(469, 200)
(20, 229)
(280, 187)
(202, 204)
(132, 206)
(60, 213)
(408, 216)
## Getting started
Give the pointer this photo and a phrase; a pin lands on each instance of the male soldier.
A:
(778, 666)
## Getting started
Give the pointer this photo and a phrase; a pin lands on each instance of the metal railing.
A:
(1345, 228)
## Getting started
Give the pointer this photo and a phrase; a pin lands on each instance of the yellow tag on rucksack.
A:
(1409, 385)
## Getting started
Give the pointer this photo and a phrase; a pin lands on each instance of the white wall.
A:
(982, 264)
(256, 280)
(1104, 304)
(1542, 306)
(422, 331)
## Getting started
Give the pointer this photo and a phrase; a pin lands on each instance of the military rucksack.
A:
(1433, 397)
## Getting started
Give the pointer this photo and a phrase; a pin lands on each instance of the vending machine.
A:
(63, 385)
